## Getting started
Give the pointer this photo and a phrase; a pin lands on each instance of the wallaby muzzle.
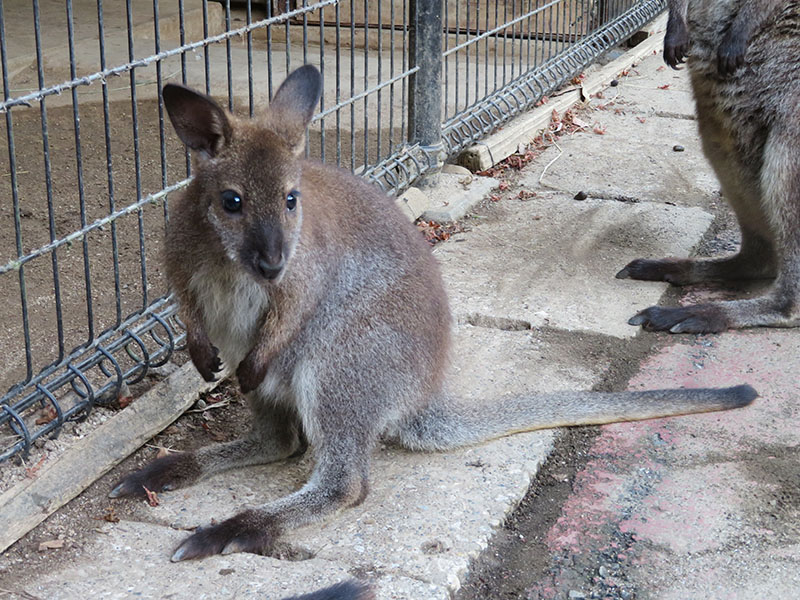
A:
(269, 271)
(264, 253)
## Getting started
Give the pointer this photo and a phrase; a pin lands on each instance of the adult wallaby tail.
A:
(449, 423)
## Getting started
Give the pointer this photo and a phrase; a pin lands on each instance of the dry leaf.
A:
(664, 87)
(110, 516)
(47, 414)
(152, 497)
(125, 401)
(30, 472)
(51, 545)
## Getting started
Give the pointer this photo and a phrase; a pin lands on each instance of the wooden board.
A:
(30, 502)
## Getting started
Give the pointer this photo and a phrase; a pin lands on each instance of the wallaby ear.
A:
(199, 121)
(295, 103)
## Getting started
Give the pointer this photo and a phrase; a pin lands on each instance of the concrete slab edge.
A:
(30, 502)
(522, 129)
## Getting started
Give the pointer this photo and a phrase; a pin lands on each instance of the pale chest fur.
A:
(232, 305)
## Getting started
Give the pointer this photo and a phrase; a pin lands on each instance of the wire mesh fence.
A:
(90, 161)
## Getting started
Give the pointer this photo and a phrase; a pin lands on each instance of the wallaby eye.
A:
(291, 199)
(231, 201)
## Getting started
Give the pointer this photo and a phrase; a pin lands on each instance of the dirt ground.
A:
(219, 415)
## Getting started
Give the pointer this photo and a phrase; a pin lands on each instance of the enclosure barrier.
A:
(90, 160)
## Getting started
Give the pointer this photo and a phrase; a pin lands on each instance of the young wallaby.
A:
(746, 78)
(328, 303)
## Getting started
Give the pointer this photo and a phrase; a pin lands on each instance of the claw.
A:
(637, 319)
(246, 532)
(117, 491)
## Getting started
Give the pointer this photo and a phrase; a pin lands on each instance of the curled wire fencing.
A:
(90, 159)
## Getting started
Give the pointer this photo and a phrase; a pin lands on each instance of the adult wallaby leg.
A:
(780, 197)
(339, 480)
(276, 434)
(742, 189)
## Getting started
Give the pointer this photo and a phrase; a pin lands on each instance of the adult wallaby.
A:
(330, 306)
(746, 79)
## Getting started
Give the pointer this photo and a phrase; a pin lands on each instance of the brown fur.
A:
(334, 315)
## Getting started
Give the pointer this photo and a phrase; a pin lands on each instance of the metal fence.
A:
(90, 162)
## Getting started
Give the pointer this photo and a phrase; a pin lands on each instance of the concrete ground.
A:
(696, 507)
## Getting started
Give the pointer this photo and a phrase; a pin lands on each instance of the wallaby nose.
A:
(270, 270)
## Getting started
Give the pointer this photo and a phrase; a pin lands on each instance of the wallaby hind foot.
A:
(326, 302)
(742, 86)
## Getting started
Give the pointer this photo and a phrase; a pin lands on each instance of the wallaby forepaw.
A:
(205, 357)
(250, 374)
(730, 55)
(243, 533)
(676, 43)
(675, 55)
(163, 474)
(690, 319)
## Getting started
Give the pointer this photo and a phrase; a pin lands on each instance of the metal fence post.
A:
(425, 86)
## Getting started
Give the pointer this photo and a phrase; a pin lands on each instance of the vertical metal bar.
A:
(403, 113)
(305, 59)
(446, 66)
(366, 83)
(486, 52)
(322, 70)
(379, 121)
(48, 179)
(477, 47)
(162, 138)
(456, 53)
(528, 49)
(79, 169)
(505, 40)
(137, 160)
(206, 49)
(12, 164)
(559, 22)
(425, 90)
(269, 50)
(109, 166)
(496, 22)
(305, 34)
(338, 86)
(288, 31)
(352, 84)
(513, 37)
(228, 54)
(182, 33)
(250, 94)
(468, 49)
(392, 71)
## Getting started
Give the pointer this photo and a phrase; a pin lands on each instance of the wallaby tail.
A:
(347, 590)
(450, 423)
